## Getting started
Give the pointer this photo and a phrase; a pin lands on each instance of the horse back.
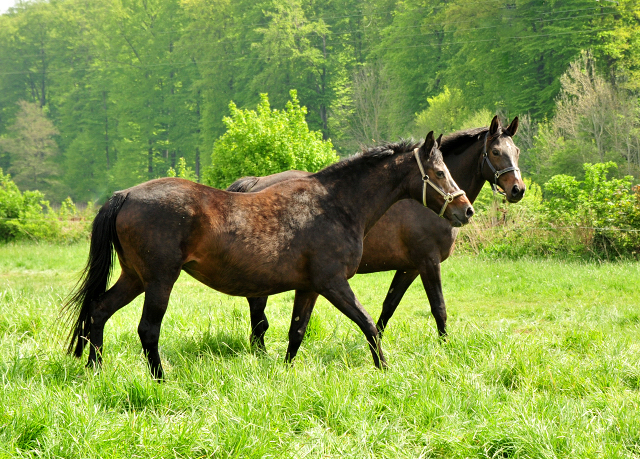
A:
(239, 243)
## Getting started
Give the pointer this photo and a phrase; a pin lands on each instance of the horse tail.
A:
(243, 184)
(95, 276)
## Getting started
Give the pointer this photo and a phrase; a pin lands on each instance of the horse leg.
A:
(156, 299)
(339, 293)
(259, 322)
(302, 309)
(399, 285)
(432, 281)
(122, 293)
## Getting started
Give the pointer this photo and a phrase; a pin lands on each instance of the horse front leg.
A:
(339, 293)
(399, 285)
(259, 322)
(432, 281)
(303, 305)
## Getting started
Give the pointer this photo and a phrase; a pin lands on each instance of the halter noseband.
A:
(496, 174)
(448, 197)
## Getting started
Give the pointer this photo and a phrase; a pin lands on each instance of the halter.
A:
(496, 174)
(448, 197)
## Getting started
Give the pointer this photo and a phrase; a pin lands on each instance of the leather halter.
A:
(448, 197)
(496, 174)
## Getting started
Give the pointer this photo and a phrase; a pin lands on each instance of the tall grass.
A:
(543, 361)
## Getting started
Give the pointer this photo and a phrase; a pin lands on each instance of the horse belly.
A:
(384, 249)
(243, 279)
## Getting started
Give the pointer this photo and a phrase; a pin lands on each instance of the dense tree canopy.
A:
(132, 86)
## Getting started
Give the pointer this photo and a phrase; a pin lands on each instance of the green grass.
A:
(543, 361)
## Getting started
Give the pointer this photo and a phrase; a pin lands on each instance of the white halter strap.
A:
(448, 197)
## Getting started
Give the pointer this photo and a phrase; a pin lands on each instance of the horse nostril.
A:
(516, 191)
(469, 212)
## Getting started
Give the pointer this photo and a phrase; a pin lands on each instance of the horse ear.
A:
(513, 127)
(427, 146)
(495, 124)
(439, 141)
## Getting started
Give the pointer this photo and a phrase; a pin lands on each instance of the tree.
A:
(32, 148)
(585, 104)
(267, 141)
(364, 116)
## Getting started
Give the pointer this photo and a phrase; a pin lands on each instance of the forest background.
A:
(101, 95)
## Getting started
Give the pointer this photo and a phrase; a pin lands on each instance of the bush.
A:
(183, 171)
(594, 217)
(448, 112)
(22, 214)
(266, 142)
(29, 216)
(608, 208)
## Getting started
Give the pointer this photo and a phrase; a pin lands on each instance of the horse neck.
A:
(465, 170)
(367, 192)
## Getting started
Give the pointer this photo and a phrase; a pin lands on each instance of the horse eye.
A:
(440, 174)
(495, 152)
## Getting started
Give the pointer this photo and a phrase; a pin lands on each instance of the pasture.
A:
(542, 361)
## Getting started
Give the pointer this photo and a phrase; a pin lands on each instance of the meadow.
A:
(542, 361)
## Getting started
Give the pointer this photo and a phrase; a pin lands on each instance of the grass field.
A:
(543, 361)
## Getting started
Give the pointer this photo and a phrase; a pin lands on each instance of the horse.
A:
(410, 239)
(303, 234)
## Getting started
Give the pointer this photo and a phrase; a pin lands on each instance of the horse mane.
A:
(457, 142)
(243, 184)
(371, 155)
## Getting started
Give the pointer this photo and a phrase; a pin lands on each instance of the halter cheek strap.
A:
(448, 197)
(496, 174)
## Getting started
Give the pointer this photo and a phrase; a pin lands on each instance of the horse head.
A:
(499, 160)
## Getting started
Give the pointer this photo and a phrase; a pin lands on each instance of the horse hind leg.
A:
(432, 281)
(125, 290)
(259, 322)
(303, 305)
(399, 285)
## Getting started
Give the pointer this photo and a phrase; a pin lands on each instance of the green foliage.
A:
(26, 215)
(449, 112)
(133, 87)
(22, 215)
(32, 147)
(610, 207)
(184, 171)
(267, 141)
(443, 114)
(595, 217)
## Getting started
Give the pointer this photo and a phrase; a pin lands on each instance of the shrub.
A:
(22, 215)
(183, 171)
(448, 112)
(28, 216)
(608, 208)
(594, 217)
(265, 142)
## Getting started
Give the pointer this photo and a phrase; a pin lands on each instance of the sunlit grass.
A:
(543, 360)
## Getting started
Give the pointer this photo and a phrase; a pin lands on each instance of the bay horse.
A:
(410, 239)
(303, 234)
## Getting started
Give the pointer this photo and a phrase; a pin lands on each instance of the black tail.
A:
(243, 185)
(95, 277)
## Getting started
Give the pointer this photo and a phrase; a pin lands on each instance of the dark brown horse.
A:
(413, 240)
(304, 234)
